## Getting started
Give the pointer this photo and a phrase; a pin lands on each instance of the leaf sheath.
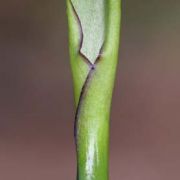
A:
(93, 78)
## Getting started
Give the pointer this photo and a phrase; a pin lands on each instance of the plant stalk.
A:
(94, 28)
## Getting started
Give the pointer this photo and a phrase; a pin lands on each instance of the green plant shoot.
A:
(94, 28)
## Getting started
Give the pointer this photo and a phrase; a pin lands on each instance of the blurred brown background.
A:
(36, 98)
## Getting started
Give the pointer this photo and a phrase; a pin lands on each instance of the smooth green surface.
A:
(94, 110)
(92, 16)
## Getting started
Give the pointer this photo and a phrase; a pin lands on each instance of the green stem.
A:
(94, 42)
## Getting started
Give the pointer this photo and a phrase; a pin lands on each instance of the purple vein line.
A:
(88, 78)
(87, 61)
